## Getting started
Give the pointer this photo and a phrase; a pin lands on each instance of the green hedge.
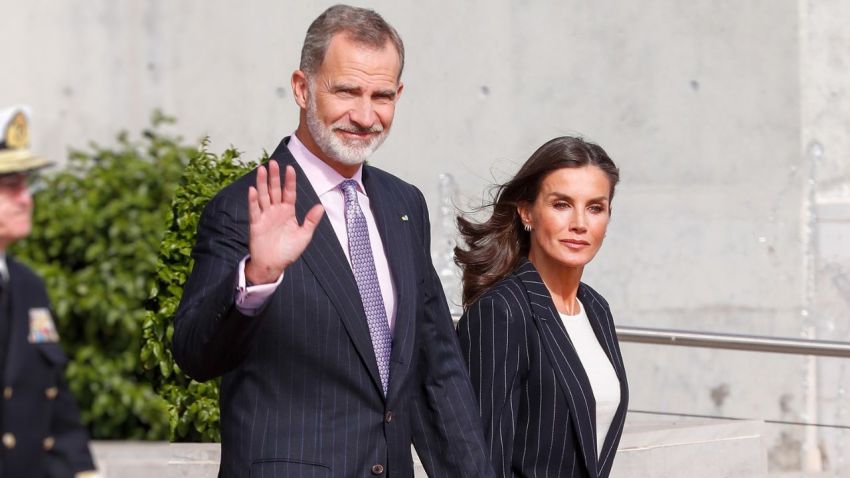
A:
(112, 238)
(192, 407)
(97, 229)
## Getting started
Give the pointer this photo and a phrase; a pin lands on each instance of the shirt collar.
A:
(4, 269)
(322, 177)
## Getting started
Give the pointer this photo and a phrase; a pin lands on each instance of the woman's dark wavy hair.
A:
(495, 246)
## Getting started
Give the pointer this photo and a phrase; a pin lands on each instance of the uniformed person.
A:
(40, 430)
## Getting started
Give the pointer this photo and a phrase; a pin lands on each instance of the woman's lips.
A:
(575, 243)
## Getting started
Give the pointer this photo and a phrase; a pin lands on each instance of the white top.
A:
(603, 378)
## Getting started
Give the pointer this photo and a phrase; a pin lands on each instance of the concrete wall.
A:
(709, 107)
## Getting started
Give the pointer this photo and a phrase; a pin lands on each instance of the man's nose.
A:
(363, 113)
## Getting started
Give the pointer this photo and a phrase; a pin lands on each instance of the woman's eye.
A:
(597, 209)
(561, 205)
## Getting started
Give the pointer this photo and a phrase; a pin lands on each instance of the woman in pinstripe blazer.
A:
(540, 344)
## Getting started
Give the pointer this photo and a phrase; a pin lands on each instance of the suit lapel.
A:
(18, 319)
(392, 223)
(603, 327)
(568, 370)
(325, 258)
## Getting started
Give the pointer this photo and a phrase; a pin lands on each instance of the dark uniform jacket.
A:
(40, 432)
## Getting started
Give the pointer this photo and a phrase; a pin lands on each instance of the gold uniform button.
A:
(51, 393)
(48, 443)
(9, 440)
(7, 393)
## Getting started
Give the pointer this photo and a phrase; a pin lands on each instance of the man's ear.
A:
(300, 87)
(399, 90)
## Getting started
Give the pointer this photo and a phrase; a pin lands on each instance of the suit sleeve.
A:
(491, 343)
(446, 425)
(211, 336)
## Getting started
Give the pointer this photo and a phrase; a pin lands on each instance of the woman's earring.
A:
(527, 226)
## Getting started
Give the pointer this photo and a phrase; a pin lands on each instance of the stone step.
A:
(649, 448)
(691, 448)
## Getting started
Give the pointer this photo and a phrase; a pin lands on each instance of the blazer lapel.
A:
(18, 319)
(603, 327)
(391, 220)
(568, 370)
(325, 258)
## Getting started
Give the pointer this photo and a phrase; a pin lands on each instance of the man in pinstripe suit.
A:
(321, 310)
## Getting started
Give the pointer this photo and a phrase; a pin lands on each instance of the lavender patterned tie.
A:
(363, 266)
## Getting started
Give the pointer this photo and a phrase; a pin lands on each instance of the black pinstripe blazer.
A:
(535, 398)
(301, 394)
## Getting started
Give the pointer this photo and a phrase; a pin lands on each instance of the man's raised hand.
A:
(275, 239)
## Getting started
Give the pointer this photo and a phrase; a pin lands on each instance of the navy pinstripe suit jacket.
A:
(535, 398)
(301, 394)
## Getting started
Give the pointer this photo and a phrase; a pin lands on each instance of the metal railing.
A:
(714, 340)
(750, 343)
(747, 343)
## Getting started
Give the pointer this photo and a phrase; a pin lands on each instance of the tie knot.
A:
(348, 188)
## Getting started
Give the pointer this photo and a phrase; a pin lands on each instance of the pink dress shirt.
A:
(325, 181)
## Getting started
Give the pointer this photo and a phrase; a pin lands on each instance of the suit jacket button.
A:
(48, 443)
(51, 393)
(388, 417)
(7, 393)
(378, 469)
(9, 440)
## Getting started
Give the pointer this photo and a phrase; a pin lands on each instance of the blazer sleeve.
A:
(446, 425)
(211, 337)
(493, 343)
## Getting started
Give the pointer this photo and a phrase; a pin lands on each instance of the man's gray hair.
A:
(362, 26)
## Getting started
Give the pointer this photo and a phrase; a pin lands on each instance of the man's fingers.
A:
(311, 220)
(274, 182)
(289, 186)
(262, 187)
(254, 211)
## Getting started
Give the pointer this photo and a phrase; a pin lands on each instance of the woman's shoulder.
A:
(508, 293)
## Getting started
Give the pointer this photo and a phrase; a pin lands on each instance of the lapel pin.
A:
(404, 218)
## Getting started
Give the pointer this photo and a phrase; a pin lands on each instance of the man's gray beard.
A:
(332, 145)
